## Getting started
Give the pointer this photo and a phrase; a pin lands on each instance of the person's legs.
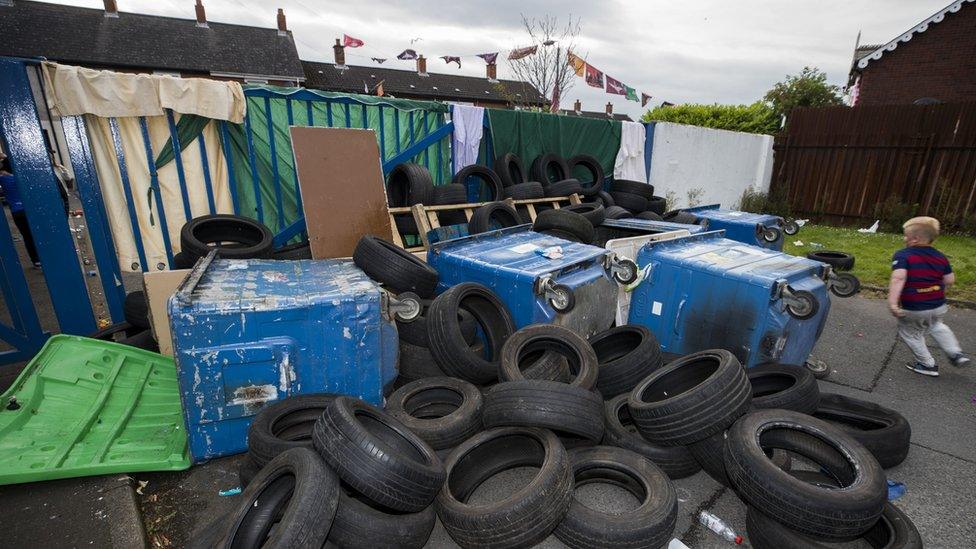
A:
(911, 330)
(20, 219)
(944, 337)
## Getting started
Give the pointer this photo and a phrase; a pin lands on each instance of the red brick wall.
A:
(939, 63)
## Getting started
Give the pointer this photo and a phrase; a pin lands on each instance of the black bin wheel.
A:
(802, 305)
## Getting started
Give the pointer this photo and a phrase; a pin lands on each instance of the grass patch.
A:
(872, 254)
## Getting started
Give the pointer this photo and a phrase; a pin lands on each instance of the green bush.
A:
(892, 213)
(756, 118)
(774, 203)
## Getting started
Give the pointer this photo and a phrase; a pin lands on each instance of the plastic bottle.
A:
(718, 526)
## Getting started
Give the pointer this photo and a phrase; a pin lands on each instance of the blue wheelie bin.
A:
(750, 228)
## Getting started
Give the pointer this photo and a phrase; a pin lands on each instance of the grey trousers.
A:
(913, 327)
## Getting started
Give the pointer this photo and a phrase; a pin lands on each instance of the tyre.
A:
(558, 343)
(844, 285)
(394, 268)
(657, 204)
(566, 222)
(549, 167)
(247, 470)
(521, 519)
(818, 368)
(592, 211)
(284, 425)
(489, 180)
(444, 411)
(839, 514)
(301, 250)
(415, 331)
(616, 212)
(678, 216)
(884, 432)
(564, 235)
(650, 524)
(803, 305)
(770, 234)
(510, 169)
(620, 431)
(406, 224)
(209, 535)
(588, 170)
(691, 398)
(450, 194)
(447, 344)
(291, 502)
(135, 309)
(184, 260)
(893, 530)
(840, 261)
(561, 408)
(112, 331)
(631, 202)
(710, 455)
(417, 363)
(644, 190)
(409, 184)
(790, 227)
(784, 386)
(492, 216)
(626, 355)
(605, 198)
(236, 237)
(360, 523)
(142, 340)
(565, 187)
(377, 455)
(649, 215)
(525, 191)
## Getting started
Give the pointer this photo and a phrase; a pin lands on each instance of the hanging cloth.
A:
(630, 156)
(469, 126)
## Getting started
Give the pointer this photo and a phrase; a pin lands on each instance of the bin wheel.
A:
(561, 298)
(771, 234)
(408, 307)
(625, 272)
(802, 304)
(790, 227)
(844, 285)
(818, 368)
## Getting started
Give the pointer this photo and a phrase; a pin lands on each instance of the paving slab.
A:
(856, 341)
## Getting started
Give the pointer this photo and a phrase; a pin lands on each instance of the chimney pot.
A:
(422, 66)
(282, 26)
(609, 109)
(201, 15)
(492, 71)
(340, 55)
(578, 106)
(111, 9)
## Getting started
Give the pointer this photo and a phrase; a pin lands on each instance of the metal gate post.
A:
(20, 126)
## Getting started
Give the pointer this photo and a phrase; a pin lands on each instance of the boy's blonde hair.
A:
(923, 227)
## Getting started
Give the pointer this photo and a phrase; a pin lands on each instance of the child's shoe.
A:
(920, 368)
(960, 361)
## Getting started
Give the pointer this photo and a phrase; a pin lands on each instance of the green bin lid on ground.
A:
(89, 407)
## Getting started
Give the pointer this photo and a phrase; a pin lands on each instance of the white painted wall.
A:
(719, 162)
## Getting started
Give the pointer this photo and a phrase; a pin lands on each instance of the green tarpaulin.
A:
(530, 134)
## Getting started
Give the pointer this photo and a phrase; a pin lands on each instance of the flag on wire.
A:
(593, 76)
(644, 99)
(522, 52)
(452, 59)
(631, 93)
(407, 54)
(350, 42)
(489, 57)
(579, 66)
(615, 86)
(379, 88)
(379, 60)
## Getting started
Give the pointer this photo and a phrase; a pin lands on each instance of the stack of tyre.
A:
(549, 175)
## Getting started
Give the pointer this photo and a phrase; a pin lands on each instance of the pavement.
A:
(858, 343)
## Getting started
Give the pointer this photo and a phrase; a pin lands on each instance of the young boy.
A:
(920, 274)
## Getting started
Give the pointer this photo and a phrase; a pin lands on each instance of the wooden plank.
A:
(341, 183)
(159, 287)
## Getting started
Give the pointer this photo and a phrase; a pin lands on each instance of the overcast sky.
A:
(699, 51)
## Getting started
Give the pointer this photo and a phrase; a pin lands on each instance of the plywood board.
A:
(341, 182)
(159, 286)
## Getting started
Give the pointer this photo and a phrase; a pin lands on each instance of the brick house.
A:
(933, 61)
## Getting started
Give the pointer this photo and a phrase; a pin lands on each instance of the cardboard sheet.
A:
(159, 287)
(341, 182)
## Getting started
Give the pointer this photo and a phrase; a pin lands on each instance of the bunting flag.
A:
(631, 93)
(379, 88)
(350, 42)
(593, 76)
(644, 99)
(522, 52)
(379, 60)
(489, 57)
(452, 59)
(579, 66)
(407, 54)
(615, 86)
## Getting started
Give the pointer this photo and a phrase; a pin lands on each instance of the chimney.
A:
(422, 66)
(340, 55)
(577, 107)
(201, 16)
(282, 27)
(492, 71)
(111, 10)
(610, 109)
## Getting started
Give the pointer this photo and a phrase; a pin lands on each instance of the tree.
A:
(756, 118)
(548, 70)
(807, 89)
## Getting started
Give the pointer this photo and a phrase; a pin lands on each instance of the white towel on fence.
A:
(468, 129)
(630, 157)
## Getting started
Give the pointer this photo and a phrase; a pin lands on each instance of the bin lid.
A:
(263, 284)
(651, 226)
(733, 216)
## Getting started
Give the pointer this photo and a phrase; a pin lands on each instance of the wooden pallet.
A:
(426, 216)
